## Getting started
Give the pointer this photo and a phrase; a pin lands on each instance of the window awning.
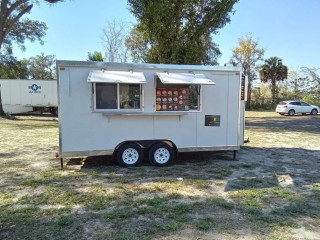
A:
(184, 78)
(130, 77)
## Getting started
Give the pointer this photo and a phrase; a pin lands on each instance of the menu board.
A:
(172, 99)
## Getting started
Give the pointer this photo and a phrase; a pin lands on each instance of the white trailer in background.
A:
(130, 110)
(23, 95)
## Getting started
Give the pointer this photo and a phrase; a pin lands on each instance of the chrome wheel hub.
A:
(161, 155)
(130, 156)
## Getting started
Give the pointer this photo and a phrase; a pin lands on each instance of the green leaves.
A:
(96, 56)
(273, 70)
(15, 30)
(177, 31)
(38, 67)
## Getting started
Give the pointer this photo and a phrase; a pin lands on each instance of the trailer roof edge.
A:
(68, 63)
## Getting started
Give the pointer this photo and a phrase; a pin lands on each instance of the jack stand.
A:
(235, 155)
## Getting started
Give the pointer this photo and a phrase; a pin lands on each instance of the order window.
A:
(117, 96)
(177, 97)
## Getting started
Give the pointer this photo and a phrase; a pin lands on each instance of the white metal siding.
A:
(5, 92)
(15, 93)
(233, 109)
(214, 102)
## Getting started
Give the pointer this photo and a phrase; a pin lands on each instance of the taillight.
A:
(285, 106)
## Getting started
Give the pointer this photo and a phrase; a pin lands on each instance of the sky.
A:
(288, 29)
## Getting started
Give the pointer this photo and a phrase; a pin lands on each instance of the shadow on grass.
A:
(197, 158)
(300, 123)
(298, 164)
(28, 126)
(204, 156)
(92, 162)
(251, 183)
(9, 155)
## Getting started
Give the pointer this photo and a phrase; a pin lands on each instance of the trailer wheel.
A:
(55, 111)
(161, 154)
(129, 155)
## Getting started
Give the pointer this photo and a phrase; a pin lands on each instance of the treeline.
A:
(300, 85)
(270, 81)
(38, 67)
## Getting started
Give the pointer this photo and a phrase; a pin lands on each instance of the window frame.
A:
(295, 103)
(306, 104)
(175, 86)
(118, 109)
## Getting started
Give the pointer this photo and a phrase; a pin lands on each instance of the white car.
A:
(293, 107)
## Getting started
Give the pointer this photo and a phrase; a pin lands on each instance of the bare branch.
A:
(113, 39)
(312, 72)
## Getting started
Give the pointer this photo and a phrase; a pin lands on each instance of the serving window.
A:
(179, 91)
(117, 90)
(117, 96)
(170, 97)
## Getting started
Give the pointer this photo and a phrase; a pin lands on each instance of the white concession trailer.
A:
(132, 110)
(23, 95)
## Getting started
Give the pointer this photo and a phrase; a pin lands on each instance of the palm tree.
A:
(273, 70)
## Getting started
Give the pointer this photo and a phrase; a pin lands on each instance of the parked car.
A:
(293, 107)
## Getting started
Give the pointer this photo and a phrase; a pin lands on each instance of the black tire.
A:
(314, 112)
(291, 112)
(161, 155)
(55, 111)
(129, 155)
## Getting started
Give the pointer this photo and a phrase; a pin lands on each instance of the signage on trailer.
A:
(34, 88)
(212, 120)
(243, 86)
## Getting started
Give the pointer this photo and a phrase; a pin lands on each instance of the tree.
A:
(42, 67)
(137, 43)
(96, 56)
(298, 84)
(314, 94)
(176, 31)
(113, 39)
(247, 55)
(273, 70)
(313, 73)
(13, 29)
(11, 68)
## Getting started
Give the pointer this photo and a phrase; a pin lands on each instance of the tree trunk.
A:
(248, 103)
(2, 113)
(273, 90)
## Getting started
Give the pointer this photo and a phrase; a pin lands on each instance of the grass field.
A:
(272, 192)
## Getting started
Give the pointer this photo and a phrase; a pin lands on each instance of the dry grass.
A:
(272, 192)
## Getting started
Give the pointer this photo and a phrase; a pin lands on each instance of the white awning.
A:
(184, 78)
(116, 77)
